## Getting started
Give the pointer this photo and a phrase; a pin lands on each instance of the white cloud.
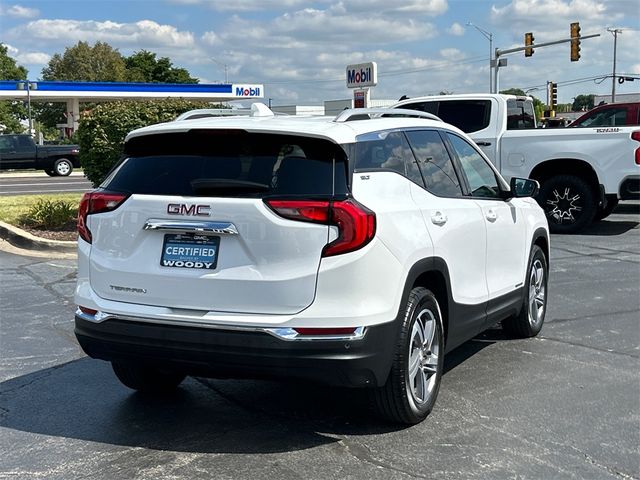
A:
(144, 33)
(18, 11)
(456, 29)
(452, 54)
(27, 58)
(244, 5)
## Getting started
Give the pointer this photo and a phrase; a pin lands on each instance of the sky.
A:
(300, 49)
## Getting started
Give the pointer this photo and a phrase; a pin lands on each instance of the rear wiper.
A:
(226, 185)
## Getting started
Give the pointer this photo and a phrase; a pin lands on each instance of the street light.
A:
(225, 66)
(488, 36)
(28, 86)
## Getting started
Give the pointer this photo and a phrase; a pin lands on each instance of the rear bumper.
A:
(630, 188)
(240, 354)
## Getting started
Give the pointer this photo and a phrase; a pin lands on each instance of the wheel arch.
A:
(566, 166)
(541, 239)
(431, 273)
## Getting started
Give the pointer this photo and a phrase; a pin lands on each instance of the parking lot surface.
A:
(563, 405)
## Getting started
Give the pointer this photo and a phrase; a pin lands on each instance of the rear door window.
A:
(230, 163)
(435, 163)
(520, 115)
(468, 115)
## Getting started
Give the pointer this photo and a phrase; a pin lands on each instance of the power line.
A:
(393, 73)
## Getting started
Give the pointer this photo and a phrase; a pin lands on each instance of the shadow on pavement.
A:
(609, 227)
(83, 400)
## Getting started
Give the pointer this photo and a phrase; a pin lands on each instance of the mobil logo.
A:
(362, 75)
(248, 90)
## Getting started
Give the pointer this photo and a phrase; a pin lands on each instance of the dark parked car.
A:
(20, 151)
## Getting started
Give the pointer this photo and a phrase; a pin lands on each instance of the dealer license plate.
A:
(190, 251)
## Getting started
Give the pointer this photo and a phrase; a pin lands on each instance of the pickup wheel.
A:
(568, 202)
(411, 389)
(62, 167)
(146, 379)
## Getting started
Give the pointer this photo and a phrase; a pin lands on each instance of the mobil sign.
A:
(248, 91)
(362, 75)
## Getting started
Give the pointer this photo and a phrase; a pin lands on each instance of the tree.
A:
(83, 62)
(11, 112)
(103, 129)
(583, 102)
(143, 66)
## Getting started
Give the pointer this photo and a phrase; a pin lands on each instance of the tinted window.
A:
(520, 115)
(388, 151)
(435, 163)
(467, 115)
(609, 117)
(6, 144)
(229, 163)
(480, 176)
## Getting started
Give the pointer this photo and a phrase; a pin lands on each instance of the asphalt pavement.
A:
(22, 183)
(563, 405)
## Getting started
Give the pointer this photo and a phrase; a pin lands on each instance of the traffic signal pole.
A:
(507, 51)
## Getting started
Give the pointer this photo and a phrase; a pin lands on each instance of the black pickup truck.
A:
(20, 151)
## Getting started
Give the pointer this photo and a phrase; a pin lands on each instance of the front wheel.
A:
(147, 379)
(62, 167)
(528, 322)
(568, 202)
(411, 389)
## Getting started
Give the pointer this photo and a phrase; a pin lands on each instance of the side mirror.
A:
(523, 187)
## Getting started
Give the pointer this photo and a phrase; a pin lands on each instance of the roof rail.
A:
(369, 113)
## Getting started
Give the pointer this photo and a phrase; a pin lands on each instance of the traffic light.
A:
(575, 41)
(528, 42)
(553, 95)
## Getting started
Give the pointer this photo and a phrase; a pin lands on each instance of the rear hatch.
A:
(196, 230)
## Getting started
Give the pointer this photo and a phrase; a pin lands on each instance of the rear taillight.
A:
(88, 311)
(636, 136)
(96, 202)
(356, 223)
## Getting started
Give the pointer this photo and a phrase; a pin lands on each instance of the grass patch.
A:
(14, 208)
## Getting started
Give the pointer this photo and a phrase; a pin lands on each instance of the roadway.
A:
(563, 405)
(21, 183)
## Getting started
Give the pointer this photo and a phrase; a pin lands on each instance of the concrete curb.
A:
(22, 239)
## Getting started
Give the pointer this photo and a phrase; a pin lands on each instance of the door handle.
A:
(491, 215)
(438, 218)
(483, 144)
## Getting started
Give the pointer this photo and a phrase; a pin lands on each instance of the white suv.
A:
(353, 251)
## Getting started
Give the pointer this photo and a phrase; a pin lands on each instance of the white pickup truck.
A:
(583, 172)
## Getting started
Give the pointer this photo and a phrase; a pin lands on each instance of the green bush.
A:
(51, 214)
(103, 129)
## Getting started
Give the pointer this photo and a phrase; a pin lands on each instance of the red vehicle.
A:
(610, 115)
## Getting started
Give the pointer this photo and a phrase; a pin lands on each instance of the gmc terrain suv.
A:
(354, 251)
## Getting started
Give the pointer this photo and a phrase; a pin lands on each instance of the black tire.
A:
(51, 173)
(603, 213)
(147, 379)
(400, 400)
(528, 322)
(568, 202)
(63, 167)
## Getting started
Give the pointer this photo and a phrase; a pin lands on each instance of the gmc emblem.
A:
(194, 210)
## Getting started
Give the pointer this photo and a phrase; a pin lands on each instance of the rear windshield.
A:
(230, 163)
(468, 115)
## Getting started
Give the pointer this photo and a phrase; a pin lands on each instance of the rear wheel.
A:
(145, 378)
(568, 202)
(62, 167)
(411, 389)
(534, 307)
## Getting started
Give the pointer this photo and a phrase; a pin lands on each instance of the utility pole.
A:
(615, 32)
(488, 36)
